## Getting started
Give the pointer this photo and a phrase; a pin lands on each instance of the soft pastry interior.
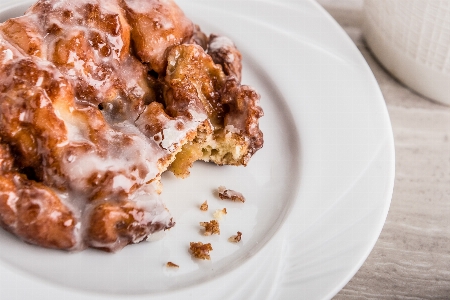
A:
(97, 99)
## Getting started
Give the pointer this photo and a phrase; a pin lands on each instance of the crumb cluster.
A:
(204, 206)
(200, 250)
(227, 194)
(211, 227)
(172, 265)
(98, 98)
(218, 214)
(236, 238)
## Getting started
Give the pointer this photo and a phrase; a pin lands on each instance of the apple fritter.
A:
(97, 99)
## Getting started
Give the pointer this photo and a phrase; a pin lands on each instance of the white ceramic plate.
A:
(317, 194)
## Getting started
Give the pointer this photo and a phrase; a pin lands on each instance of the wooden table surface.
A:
(411, 259)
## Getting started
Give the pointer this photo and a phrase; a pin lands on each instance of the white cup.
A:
(411, 38)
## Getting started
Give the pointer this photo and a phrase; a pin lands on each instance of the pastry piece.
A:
(73, 136)
(200, 250)
(204, 206)
(156, 25)
(32, 210)
(211, 227)
(233, 110)
(170, 264)
(227, 194)
(97, 99)
(64, 154)
(223, 52)
(89, 41)
(24, 33)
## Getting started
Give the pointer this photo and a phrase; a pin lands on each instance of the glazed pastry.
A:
(97, 99)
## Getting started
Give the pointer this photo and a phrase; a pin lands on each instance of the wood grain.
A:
(411, 259)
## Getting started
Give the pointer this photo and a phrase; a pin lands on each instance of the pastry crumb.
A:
(172, 265)
(204, 206)
(227, 194)
(211, 227)
(200, 250)
(236, 238)
(218, 214)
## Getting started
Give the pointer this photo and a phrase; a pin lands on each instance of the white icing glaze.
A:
(145, 6)
(231, 128)
(12, 199)
(7, 55)
(230, 58)
(172, 136)
(74, 133)
(125, 162)
(220, 42)
(230, 194)
(39, 81)
(139, 153)
(148, 199)
(122, 182)
(55, 215)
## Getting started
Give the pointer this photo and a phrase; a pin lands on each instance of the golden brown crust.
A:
(97, 99)
(19, 32)
(244, 114)
(42, 219)
(156, 26)
(89, 42)
(50, 119)
(29, 121)
(119, 224)
(33, 212)
(193, 79)
(223, 52)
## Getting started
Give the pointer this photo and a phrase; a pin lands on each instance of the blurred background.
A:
(411, 259)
